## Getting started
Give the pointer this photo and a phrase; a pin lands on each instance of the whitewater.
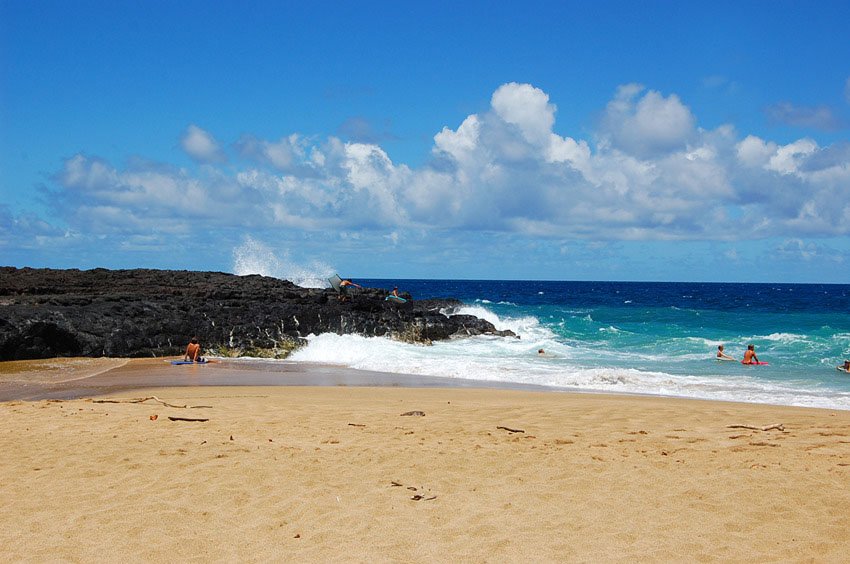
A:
(657, 338)
(642, 338)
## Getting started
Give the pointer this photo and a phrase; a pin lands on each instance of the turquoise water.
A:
(653, 338)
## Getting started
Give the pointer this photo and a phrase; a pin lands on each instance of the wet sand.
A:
(69, 378)
(341, 473)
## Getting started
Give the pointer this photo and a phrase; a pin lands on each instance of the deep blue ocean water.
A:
(634, 337)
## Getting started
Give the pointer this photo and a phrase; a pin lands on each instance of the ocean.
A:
(629, 337)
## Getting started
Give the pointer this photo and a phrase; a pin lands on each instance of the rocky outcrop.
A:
(48, 313)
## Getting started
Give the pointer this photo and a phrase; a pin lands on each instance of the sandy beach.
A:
(357, 473)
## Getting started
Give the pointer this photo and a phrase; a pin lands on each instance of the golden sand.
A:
(339, 474)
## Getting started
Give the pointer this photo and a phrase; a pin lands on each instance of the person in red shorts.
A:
(750, 355)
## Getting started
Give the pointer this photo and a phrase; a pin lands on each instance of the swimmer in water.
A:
(750, 355)
(722, 355)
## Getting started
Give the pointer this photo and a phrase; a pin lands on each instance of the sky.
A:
(535, 140)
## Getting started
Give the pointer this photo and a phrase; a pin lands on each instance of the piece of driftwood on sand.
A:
(776, 426)
(154, 398)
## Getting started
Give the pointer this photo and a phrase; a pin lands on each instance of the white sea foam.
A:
(566, 364)
(254, 257)
(516, 361)
(672, 366)
(708, 343)
(782, 337)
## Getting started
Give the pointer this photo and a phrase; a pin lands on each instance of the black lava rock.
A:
(48, 313)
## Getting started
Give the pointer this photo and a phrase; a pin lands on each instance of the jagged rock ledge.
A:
(47, 313)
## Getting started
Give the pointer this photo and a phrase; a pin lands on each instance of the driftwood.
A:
(154, 398)
(414, 413)
(777, 426)
(185, 419)
(509, 430)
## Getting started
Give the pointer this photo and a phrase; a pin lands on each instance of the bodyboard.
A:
(176, 362)
(396, 299)
(334, 282)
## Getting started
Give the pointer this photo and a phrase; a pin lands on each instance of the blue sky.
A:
(534, 140)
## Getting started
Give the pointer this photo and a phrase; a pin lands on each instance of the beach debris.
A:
(154, 398)
(154, 417)
(776, 426)
(356, 425)
(170, 418)
(297, 536)
(415, 497)
(509, 430)
(414, 413)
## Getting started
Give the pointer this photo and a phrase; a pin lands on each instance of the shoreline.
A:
(343, 473)
(29, 380)
(35, 380)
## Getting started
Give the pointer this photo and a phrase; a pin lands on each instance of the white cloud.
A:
(755, 152)
(461, 143)
(201, 145)
(650, 173)
(646, 128)
(526, 107)
(787, 159)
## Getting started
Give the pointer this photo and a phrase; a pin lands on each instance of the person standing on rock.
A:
(193, 351)
(343, 289)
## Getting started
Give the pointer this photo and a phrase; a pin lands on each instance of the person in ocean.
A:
(844, 367)
(750, 355)
(722, 355)
(193, 351)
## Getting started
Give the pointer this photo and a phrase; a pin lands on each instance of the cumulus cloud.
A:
(647, 125)
(648, 173)
(201, 145)
(820, 117)
(526, 107)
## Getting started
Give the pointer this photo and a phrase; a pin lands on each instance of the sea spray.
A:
(255, 257)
